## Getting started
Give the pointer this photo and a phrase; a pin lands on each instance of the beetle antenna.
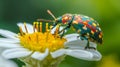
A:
(44, 20)
(49, 12)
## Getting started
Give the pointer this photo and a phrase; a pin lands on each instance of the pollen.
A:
(39, 41)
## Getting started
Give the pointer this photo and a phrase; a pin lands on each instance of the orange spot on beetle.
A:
(75, 22)
(85, 22)
(92, 32)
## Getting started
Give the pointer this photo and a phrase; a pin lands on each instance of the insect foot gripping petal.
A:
(88, 46)
(77, 48)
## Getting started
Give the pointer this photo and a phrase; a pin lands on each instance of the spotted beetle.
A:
(87, 28)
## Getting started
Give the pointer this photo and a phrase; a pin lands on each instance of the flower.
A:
(5, 62)
(32, 44)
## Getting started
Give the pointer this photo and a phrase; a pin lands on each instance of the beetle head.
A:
(66, 18)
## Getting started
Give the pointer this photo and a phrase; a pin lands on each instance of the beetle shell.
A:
(86, 26)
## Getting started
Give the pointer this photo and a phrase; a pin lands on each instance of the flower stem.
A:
(47, 62)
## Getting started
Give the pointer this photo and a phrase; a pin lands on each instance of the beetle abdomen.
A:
(87, 27)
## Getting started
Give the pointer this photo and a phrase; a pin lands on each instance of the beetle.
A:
(87, 28)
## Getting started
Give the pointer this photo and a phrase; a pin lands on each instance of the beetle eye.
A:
(65, 19)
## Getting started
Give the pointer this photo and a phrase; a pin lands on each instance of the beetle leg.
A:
(82, 37)
(54, 25)
(63, 29)
(88, 43)
(62, 34)
(88, 46)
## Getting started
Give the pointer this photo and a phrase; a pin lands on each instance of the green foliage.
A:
(106, 12)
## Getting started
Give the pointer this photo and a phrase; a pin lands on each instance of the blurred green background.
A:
(106, 12)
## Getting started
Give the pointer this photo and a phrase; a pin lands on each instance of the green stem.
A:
(47, 62)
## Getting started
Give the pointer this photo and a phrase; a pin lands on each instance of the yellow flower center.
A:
(39, 41)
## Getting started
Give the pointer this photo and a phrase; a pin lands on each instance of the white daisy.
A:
(31, 44)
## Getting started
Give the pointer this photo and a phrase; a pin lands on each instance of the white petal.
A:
(53, 30)
(96, 55)
(1, 50)
(8, 34)
(40, 56)
(58, 53)
(16, 53)
(7, 63)
(72, 37)
(79, 44)
(6, 40)
(74, 42)
(91, 55)
(92, 44)
(29, 27)
(80, 54)
(9, 45)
